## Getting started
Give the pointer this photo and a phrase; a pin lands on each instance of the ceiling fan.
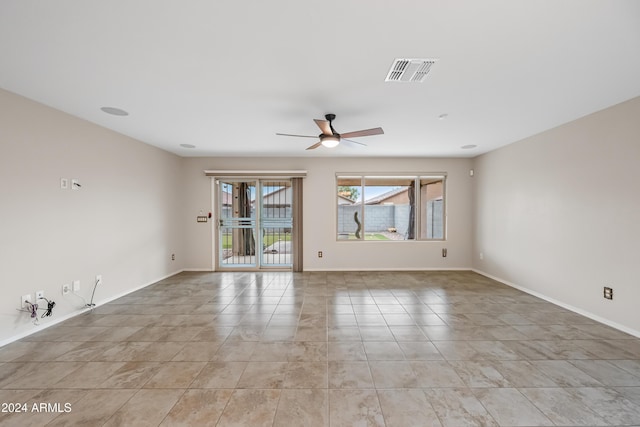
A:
(330, 138)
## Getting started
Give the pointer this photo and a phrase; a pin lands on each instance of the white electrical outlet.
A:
(75, 184)
(39, 295)
(76, 285)
(66, 288)
(64, 183)
(23, 301)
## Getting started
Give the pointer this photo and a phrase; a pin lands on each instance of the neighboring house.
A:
(280, 198)
(398, 196)
(227, 199)
(342, 200)
(227, 205)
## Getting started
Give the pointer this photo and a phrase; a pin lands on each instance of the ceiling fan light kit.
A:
(330, 138)
(330, 141)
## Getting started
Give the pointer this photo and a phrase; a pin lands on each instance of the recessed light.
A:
(114, 111)
(443, 116)
(468, 147)
(187, 146)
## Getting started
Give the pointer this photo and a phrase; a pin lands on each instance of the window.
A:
(386, 207)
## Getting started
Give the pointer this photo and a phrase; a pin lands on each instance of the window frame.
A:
(416, 179)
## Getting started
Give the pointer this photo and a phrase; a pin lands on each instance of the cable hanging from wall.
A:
(91, 304)
(49, 310)
(32, 308)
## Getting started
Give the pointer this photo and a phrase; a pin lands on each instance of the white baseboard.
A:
(57, 320)
(563, 305)
(207, 270)
(127, 292)
(387, 269)
(42, 326)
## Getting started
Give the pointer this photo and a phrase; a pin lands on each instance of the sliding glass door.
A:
(276, 223)
(254, 224)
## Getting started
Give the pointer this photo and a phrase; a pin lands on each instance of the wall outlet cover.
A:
(23, 300)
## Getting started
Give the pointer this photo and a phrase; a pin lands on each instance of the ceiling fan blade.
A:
(314, 146)
(301, 136)
(353, 142)
(324, 126)
(366, 132)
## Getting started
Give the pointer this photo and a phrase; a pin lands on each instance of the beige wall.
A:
(556, 214)
(123, 223)
(320, 214)
(559, 214)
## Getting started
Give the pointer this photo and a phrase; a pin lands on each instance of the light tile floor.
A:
(324, 349)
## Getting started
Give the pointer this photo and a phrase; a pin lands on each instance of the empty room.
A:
(336, 213)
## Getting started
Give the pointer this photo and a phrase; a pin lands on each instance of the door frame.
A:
(258, 263)
(297, 178)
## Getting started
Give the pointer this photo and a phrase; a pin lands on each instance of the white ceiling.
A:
(227, 75)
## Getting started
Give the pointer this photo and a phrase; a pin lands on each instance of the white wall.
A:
(320, 214)
(559, 214)
(123, 223)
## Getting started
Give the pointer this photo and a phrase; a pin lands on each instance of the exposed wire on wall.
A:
(91, 304)
(32, 308)
(49, 310)
(82, 298)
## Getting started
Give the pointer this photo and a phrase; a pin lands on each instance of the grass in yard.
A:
(369, 236)
(375, 236)
(268, 239)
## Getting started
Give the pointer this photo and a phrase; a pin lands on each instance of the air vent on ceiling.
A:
(409, 70)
